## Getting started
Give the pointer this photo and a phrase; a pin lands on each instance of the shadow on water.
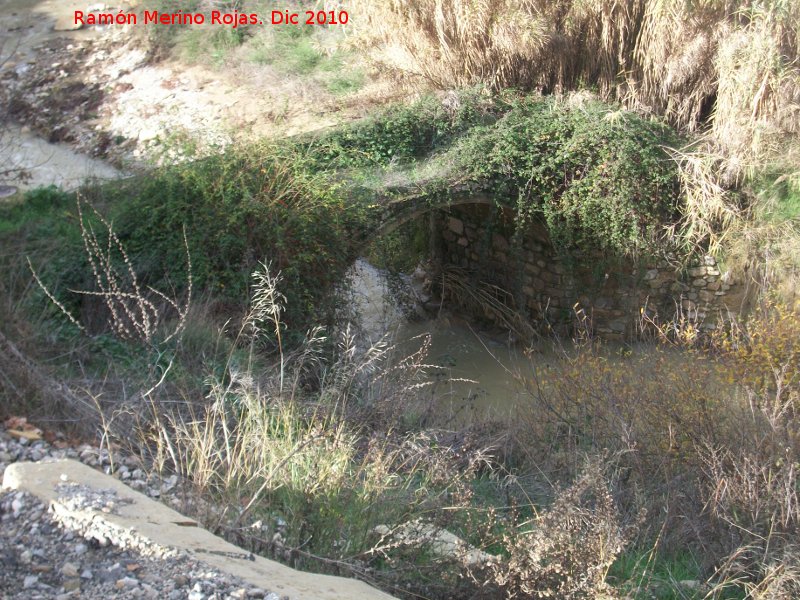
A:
(480, 375)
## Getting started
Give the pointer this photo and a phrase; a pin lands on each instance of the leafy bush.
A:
(239, 208)
(403, 132)
(598, 177)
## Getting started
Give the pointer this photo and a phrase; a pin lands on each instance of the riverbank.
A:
(102, 91)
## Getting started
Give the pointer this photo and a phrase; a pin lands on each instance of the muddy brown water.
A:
(479, 375)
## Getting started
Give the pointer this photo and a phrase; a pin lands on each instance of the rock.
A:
(127, 583)
(455, 225)
(30, 581)
(69, 570)
(697, 271)
(67, 23)
(17, 505)
(499, 242)
(80, 549)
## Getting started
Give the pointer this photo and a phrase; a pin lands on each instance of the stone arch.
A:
(553, 287)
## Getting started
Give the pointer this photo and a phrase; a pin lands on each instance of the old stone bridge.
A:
(472, 230)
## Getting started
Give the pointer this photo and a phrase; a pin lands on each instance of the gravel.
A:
(41, 557)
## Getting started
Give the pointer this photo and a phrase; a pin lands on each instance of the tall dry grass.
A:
(707, 440)
(726, 70)
(679, 60)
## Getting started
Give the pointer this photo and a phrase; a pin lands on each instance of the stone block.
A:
(455, 225)
(462, 241)
(602, 302)
(706, 296)
(532, 268)
(549, 277)
(618, 325)
(699, 283)
(500, 242)
(697, 271)
(554, 292)
(678, 287)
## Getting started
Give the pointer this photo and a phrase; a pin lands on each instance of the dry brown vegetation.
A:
(727, 71)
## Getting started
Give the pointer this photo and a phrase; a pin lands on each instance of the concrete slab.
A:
(131, 519)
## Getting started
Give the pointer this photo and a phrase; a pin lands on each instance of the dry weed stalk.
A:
(488, 300)
(566, 551)
(132, 314)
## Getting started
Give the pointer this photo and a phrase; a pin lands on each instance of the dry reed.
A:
(728, 69)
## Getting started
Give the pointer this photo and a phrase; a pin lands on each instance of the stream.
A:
(480, 366)
(34, 162)
(26, 160)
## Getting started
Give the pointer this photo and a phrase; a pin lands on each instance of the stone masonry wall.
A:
(550, 287)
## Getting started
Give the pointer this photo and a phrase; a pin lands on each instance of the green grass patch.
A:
(778, 192)
(209, 43)
(298, 51)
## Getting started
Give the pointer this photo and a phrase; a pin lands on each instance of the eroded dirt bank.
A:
(101, 91)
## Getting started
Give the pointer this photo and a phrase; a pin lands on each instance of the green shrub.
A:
(248, 205)
(596, 176)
